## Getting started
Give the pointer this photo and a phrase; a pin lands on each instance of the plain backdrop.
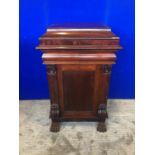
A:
(37, 15)
(145, 77)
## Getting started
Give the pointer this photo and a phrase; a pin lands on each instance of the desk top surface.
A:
(78, 27)
(79, 36)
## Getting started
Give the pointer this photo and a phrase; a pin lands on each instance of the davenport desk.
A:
(78, 59)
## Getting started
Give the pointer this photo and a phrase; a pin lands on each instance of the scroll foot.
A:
(101, 127)
(55, 127)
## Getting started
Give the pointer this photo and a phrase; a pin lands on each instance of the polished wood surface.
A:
(79, 60)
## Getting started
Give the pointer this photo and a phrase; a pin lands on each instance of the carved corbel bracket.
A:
(107, 69)
(102, 115)
(51, 70)
(54, 115)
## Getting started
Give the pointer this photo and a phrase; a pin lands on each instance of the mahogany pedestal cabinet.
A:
(78, 58)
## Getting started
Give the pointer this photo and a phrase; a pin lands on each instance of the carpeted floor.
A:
(76, 138)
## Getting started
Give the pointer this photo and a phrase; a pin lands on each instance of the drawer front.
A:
(79, 42)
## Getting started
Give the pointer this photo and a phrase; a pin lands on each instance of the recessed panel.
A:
(78, 90)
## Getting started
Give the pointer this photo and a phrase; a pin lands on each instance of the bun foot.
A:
(101, 127)
(55, 127)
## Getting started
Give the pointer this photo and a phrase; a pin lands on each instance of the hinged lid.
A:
(91, 27)
(79, 44)
(79, 36)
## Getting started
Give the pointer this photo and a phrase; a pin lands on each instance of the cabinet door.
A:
(78, 85)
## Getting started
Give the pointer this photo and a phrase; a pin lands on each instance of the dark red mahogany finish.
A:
(78, 59)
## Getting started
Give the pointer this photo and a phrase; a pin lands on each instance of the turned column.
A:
(53, 88)
(103, 96)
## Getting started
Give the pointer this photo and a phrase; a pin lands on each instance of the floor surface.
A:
(76, 138)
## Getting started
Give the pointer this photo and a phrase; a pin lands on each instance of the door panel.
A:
(77, 88)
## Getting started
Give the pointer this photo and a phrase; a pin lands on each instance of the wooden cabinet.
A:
(78, 58)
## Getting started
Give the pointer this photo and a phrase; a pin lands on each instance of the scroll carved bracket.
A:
(55, 116)
(107, 69)
(51, 70)
(102, 115)
(54, 113)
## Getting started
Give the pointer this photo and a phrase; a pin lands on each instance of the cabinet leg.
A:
(102, 115)
(54, 115)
